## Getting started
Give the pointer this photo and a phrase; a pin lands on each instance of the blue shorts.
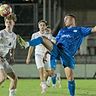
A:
(59, 53)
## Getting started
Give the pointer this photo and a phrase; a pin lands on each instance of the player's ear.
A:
(13, 23)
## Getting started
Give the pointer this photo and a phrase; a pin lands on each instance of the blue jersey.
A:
(70, 38)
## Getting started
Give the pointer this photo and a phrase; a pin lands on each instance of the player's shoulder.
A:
(13, 33)
(82, 28)
(36, 33)
(62, 30)
(77, 28)
(2, 31)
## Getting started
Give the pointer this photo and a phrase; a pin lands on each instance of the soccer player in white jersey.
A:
(49, 74)
(8, 44)
(40, 51)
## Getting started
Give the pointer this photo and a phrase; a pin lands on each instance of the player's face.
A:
(69, 21)
(9, 24)
(42, 26)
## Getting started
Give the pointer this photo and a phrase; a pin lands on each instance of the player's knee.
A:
(14, 82)
(14, 79)
(69, 77)
(45, 39)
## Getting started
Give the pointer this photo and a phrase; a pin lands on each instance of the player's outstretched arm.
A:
(30, 51)
(94, 29)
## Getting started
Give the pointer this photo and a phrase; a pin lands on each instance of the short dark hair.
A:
(12, 16)
(43, 22)
(71, 15)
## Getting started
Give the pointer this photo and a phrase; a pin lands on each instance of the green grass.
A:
(31, 88)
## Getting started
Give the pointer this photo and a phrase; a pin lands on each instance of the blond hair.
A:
(12, 16)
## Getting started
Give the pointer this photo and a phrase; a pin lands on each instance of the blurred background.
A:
(29, 12)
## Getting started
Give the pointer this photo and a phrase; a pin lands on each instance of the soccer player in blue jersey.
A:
(68, 40)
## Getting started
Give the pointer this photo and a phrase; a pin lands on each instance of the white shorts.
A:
(39, 61)
(5, 65)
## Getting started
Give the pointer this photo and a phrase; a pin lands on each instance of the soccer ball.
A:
(5, 10)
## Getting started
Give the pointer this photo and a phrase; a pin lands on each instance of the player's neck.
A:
(8, 30)
(41, 32)
(71, 26)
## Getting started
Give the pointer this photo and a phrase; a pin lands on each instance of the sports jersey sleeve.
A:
(86, 31)
(33, 36)
(1, 35)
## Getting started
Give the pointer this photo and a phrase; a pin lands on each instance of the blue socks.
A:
(71, 87)
(36, 41)
(53, 78)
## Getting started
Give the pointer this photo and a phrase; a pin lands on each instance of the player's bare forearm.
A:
(94, 29)
(30, 51)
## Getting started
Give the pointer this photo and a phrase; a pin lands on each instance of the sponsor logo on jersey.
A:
(67, 36)
(74, 30)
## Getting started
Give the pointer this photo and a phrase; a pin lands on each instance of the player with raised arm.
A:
(68, 41)
(8, 44)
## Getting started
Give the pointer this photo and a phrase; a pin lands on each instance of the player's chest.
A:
(70, 33)
(8, 39)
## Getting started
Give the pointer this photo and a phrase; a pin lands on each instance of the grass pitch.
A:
(31, 87)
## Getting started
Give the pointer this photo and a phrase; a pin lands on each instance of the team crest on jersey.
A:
(74, 30)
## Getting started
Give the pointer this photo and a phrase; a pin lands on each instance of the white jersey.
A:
(7, 41)
(40, 49)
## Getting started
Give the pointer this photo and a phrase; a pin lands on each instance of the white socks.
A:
(43, 87)
(48, 81)
(12, 92)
